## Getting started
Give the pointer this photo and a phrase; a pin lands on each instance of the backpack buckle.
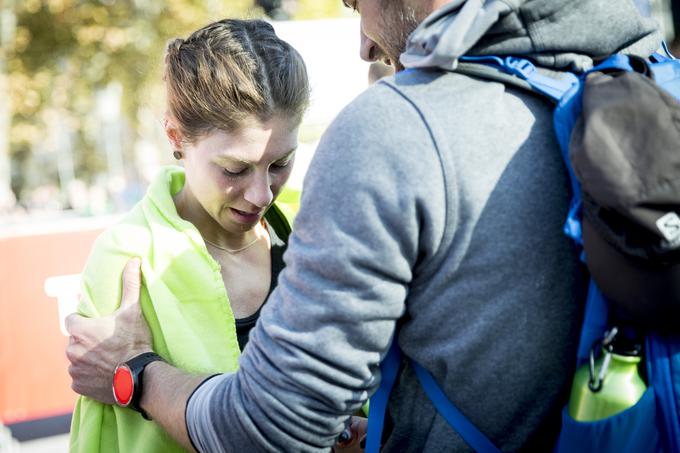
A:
(520, 66)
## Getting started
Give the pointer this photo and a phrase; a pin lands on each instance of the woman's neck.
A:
(191, 210)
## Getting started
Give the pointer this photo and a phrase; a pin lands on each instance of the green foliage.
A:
(315, 9)
(64, 51)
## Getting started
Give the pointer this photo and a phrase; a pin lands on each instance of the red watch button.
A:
(123, 385)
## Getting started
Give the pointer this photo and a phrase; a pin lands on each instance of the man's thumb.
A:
(132, 282)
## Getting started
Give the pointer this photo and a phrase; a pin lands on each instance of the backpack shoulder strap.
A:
(281, 222)
(522, 73)
(389, 368)
(484, 71)
(282, 213)
(469, 432)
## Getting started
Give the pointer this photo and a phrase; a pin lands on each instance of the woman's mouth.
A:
(246, 217)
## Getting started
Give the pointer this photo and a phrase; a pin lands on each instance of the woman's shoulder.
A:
(112, 249)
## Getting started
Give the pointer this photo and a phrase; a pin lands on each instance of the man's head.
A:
(386, 25)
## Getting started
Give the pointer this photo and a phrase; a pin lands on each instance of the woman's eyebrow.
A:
(232, 159)
(236, 159)
(287, 155)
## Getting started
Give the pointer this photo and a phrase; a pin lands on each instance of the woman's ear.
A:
(173, 133)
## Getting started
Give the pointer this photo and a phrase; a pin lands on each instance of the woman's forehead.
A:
(251, 144)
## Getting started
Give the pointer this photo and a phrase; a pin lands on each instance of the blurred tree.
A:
(66, 54)
(318, 9)
(7, 30)
(69, 62)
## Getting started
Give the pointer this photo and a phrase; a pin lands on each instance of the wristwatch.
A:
(127, 381)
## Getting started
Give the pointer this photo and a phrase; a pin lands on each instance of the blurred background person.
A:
(278, 9)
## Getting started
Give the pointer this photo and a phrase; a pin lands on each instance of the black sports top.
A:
(279, 244)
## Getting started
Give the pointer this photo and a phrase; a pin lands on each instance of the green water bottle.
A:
(610, 384)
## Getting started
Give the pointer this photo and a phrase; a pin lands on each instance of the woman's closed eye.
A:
(280, 165)
(233, 173)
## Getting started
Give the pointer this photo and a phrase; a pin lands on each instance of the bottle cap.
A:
(626, 343)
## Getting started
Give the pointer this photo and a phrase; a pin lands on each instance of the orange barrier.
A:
(34, 381)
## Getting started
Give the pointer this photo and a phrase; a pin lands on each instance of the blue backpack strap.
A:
(662, 55)
(551, 87)
(389, 369)
(667, 76)
(565, 92)
(455, 418)
(663, 373)
(565, 117)
(617, 62)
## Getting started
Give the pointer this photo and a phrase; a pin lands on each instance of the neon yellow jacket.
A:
(183, 299)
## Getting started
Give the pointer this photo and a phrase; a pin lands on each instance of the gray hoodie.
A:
(555, 34)
(432, 212)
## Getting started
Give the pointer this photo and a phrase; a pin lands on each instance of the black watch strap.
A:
(137, 365)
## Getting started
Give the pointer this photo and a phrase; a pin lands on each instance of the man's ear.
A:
(173, 133)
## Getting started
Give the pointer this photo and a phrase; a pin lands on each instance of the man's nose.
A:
(259, 192)
(368, 49)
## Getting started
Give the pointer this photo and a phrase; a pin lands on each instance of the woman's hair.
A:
(231, 70)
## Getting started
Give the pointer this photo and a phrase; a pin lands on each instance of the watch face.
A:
(123, 385)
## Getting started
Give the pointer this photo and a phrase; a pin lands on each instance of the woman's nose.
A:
(368, 48)
(259, 192)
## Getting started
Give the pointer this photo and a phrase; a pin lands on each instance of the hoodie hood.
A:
(556, 34)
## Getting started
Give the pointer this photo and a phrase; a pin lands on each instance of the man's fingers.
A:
(71, 323)
(360, 426)
(132, 282)
(74, 351)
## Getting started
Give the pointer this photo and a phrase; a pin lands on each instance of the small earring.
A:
(177, 154)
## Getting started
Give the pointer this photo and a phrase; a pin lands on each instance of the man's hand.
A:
(97, 345)
(353, 438)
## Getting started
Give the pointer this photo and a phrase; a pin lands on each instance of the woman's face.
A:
(235, 177)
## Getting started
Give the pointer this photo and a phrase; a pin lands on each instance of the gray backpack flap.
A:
(625, 152)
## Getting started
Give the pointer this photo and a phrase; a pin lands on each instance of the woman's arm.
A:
(100, 295)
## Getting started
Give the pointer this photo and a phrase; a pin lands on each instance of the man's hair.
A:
(229, 71)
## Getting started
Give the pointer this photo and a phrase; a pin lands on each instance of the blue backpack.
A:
(653, 423)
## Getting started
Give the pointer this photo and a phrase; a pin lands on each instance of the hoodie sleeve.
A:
(366, 220)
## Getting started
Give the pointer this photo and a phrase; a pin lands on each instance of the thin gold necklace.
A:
(232, 251)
